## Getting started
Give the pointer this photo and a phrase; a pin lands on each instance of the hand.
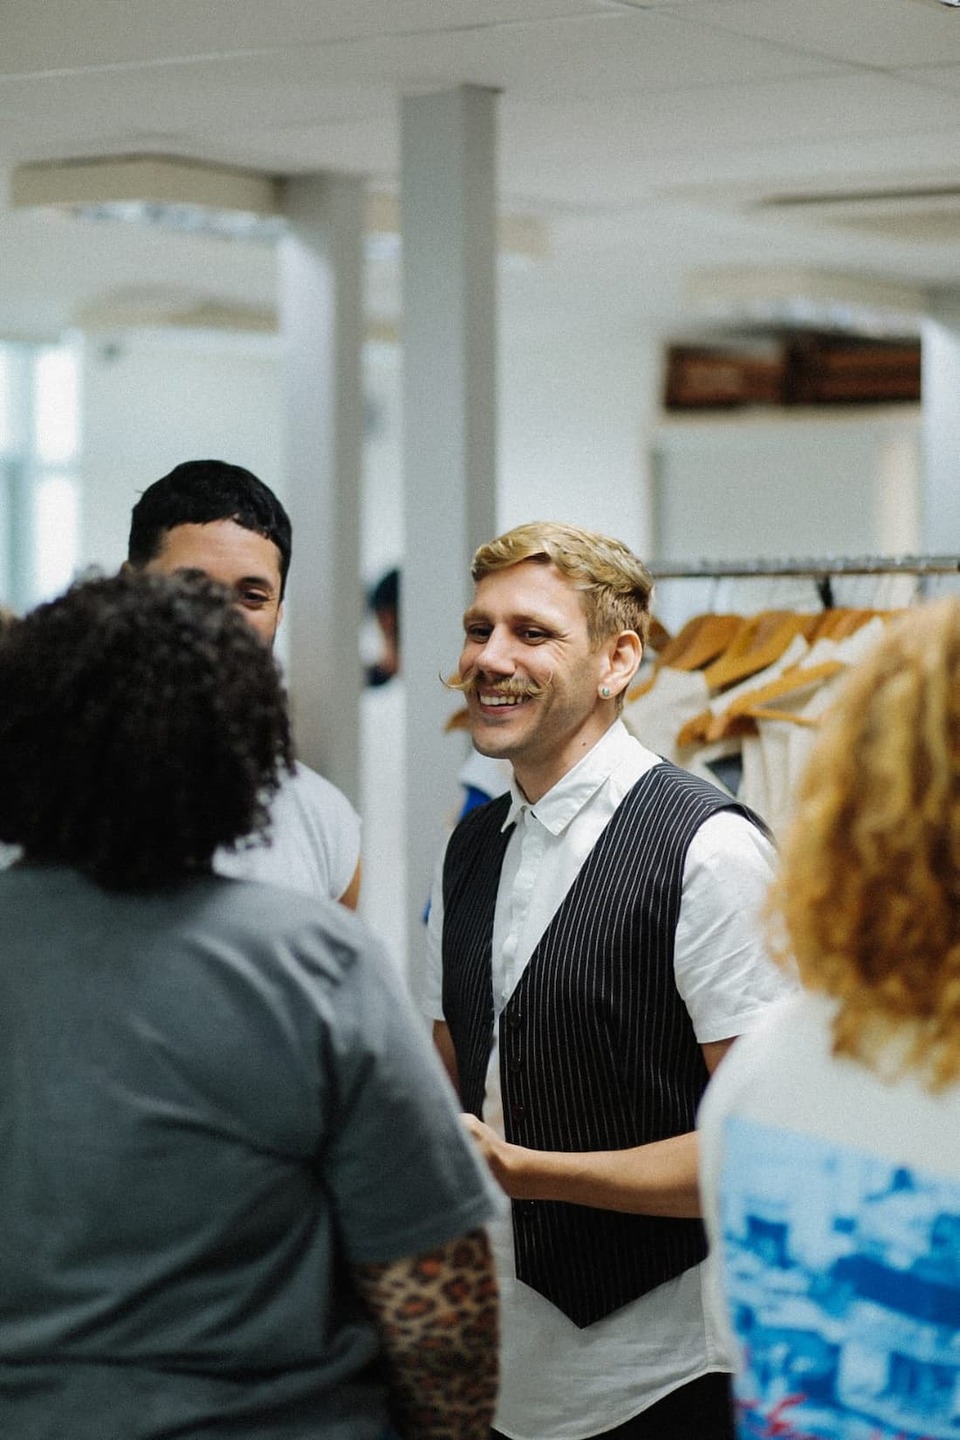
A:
(499, 1154)
(655, 1179)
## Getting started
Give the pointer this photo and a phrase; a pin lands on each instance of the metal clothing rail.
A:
(812, 569)
(823, 572)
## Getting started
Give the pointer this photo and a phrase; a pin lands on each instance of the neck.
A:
(535, 780)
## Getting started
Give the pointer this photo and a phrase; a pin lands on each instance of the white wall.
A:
(788, 485)
(381, 504)
(575, 413)
(151, 399)
(941, 386)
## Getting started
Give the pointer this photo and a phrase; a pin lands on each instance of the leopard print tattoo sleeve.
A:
(438, 1321)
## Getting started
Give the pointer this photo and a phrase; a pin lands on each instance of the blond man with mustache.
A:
(592, 956)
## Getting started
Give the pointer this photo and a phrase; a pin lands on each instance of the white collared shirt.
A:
(717, 939)
(559, 1382)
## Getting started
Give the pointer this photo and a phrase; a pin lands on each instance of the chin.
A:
(492, 746)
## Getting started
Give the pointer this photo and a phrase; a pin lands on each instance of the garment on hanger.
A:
(737, 693)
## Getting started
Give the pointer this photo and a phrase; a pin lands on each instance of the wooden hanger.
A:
(755, 704)
(459, 720)
(740, 716)
(762, 712)
(759, 644)
(701, 640)
(658, 636)
(837, 624)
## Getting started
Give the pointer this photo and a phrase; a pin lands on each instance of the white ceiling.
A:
(646, 135)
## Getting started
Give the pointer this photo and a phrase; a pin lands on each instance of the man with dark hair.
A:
(593, 957)
(235, 1195)
(220, 518)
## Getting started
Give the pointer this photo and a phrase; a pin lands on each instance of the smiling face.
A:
(533, 681)
(246, 562)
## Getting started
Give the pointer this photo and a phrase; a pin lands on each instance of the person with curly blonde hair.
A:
(830, 1139)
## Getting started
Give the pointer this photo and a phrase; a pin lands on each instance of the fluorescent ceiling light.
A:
(804, 299)
(200, 198)
(156, 190)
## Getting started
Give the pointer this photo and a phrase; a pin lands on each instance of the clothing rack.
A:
(821, 571)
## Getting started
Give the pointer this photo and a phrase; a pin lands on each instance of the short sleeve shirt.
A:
(213, 1101)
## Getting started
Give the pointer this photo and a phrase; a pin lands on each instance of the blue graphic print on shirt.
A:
(842, 1277)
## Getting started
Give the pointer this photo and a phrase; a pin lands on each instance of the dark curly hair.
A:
(143, 725)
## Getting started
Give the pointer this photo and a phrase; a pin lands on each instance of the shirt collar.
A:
(567, 798)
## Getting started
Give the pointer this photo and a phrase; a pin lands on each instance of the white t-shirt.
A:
(314, 835)
(832, 1199)
(559, 1382)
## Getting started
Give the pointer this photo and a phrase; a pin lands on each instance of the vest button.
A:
(518, 1112)
(515, 1063)
(513, 1019)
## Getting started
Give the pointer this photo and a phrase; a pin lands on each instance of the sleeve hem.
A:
(426, 1236)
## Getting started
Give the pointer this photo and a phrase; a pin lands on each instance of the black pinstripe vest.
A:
(597, 1051)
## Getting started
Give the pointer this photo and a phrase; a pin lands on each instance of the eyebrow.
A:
(262, 580)
(526, 617)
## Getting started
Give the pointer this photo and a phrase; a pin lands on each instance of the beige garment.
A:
(656, 718)
(784, 746)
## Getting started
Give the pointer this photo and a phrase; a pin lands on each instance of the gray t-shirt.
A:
(210, 1099)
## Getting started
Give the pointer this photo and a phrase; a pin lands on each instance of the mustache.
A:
(511, 689)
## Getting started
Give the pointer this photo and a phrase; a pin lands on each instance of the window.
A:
(39, 483)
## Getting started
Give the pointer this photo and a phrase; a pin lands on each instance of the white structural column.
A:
(940, 518)
(321, 315)
(449, 225)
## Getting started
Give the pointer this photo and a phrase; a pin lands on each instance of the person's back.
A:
(227, 1157)
(188, 1135)
(831, 1136)
(838, 1235)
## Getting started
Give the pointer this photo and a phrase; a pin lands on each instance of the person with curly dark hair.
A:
(235, 1196)
(216, 517)
(113, 656)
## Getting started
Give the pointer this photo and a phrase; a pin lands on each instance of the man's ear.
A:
(624, 653)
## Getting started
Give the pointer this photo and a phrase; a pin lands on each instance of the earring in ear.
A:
(605, 692)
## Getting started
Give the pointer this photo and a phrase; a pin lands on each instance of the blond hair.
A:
(867, 900)
(615, 586)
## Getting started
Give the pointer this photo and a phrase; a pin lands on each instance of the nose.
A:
(494, 656)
